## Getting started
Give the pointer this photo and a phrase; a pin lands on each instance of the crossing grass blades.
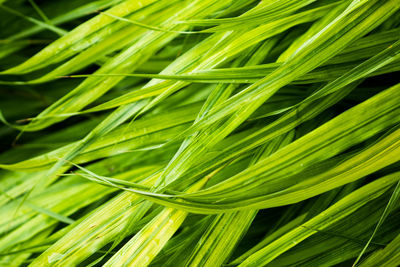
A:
(200, 133)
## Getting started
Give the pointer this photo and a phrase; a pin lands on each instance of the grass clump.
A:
(200, 133)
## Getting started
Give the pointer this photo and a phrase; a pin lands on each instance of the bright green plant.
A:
(200, 133)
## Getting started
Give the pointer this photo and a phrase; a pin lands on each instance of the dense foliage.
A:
(200, 133)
